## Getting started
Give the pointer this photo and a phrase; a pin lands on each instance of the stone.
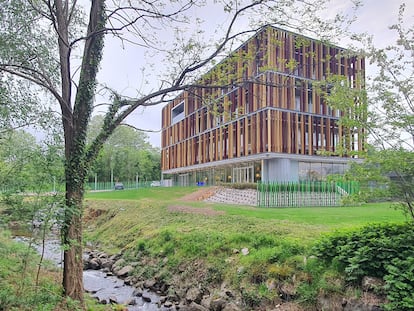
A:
(119, 263)
(131, 302)
(168, 304)
(183, 307)
(245, 251)
(206, 301)
(150, 284)
(134, 264)
(102, 255)
(217, 304)
(115, 257)
(194, 294)
(173, 298)
(146, 298)
(370, 284)
(128, 281)
(94, 264)
(287, 291)
(106, 263)
(123, 272)
(137, 292)
(103, 301)
(85, 264)
(229, 293)
(231, 307)
(356, 305)
(113, 300)
(196, 307)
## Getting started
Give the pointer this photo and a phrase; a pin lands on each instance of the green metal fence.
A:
(295, 194)
(101, 186)
(89, 186)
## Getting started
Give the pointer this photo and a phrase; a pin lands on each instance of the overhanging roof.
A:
(259, 157)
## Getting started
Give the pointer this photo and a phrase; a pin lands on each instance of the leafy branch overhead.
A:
(387, 170)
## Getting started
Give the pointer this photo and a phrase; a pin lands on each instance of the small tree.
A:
(389, 101)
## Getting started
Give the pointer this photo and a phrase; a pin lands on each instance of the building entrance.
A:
(183, 180)
(243, 174)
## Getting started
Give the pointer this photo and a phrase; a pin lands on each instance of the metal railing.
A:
(311, 193)
(101, 186)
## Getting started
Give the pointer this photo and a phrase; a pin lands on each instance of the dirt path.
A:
(200, 195)
(207, 211)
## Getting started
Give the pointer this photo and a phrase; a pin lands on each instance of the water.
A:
(105, 287)
(99, 284)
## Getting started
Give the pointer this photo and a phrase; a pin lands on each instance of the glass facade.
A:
(251, 173)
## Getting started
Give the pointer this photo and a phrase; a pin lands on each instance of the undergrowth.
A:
(384, 251)
(264, 254)
(18, 289)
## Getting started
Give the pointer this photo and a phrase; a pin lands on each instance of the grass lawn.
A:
(167, 233)
(331, 217)
(133, 215)
(153, 193)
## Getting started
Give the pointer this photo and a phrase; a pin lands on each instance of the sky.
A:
(121, 65)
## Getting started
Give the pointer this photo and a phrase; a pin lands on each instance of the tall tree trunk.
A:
(75, 126)
(72, 242)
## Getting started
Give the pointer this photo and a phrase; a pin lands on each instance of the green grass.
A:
(18, 287)
(18, 290)
(157, 193)
(142, 225)
(327, 216)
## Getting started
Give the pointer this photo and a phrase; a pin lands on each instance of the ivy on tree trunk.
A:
(75, 129)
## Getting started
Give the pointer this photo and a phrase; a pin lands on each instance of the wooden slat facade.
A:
(269, 104)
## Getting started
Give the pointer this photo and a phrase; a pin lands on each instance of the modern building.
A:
(260, 115)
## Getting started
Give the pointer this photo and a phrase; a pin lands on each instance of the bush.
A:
(18, 287)
(384, 251)
(400, 284)
(240, 186)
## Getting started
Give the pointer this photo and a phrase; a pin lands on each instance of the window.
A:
(310, 101)
(177, 113)
(297, 99)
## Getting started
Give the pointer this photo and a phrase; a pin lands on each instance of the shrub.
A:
(400, 284)
(251, 298)
(384, 251)
(240, 186)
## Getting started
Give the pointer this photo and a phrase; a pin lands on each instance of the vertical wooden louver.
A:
(268, 103)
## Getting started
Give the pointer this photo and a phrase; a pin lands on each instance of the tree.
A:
(389, 101)
(16, 152)
(42, 42)
(28, 167)
(126, 154)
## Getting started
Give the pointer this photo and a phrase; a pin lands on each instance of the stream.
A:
(101, 286)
